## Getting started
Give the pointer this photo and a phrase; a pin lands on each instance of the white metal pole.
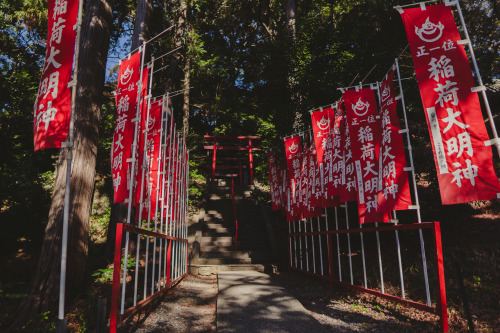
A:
(320, 247)
(401, 278)
(69, 160)
(380, 259)
(300, 246)
(313, 249)
(338, 244)
(417, 203)
(307, 247)
(132, 160)
(159, 193)
(349, 242)
(290, 242)
(363, 256)
(327, 238)
(481, 87)
(146, 179)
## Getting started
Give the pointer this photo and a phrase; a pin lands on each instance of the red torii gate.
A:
(234, 143)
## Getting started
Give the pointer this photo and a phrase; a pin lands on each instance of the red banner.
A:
(52, 109)
(321, 121)
(458, 134)
(314, 200)
(151, 130)
(348, 188)
(395, 194)
(274, 180)
(126, 107)
(364, 126)
(336, 161)
(293, 153)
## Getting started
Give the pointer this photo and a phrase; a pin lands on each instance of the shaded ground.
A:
(341, 310)
(189, 307)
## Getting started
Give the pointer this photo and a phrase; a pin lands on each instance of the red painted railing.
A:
(440, 309)
(163, 285)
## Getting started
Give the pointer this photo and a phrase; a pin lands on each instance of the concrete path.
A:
(250, 302)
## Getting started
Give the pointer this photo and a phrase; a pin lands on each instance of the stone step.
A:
(215, 234)
(220, 229)
(220, 240)
(222, 261)
(205, 270)
(225, 254)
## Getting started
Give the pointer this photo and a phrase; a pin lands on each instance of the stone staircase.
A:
(218, 249)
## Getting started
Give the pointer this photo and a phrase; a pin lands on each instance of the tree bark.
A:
(44, 287)
(295, 97)
(290, 19)
(142, 20)
(185, 106)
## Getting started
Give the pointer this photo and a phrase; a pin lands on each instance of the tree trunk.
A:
(175, 60)
(185, 106)
(187, 73)
(295, 97)
(141, 34)
(290, 19)
(44, 287)
(142, 20)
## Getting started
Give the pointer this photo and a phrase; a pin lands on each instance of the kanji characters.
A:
(440, 68)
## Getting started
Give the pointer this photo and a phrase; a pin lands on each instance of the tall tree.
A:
(187, 69)
(43, 290)
(142, 22)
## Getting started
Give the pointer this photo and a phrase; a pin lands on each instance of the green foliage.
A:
(104, 275)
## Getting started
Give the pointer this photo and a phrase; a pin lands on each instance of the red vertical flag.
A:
(364, 126)
(293, 153)
(152, 127)
(274, 180)
(126, 106)
(321, 121)
(395, 193)
(52, 109)
(336, 165)
(463, 161)
(348, 189)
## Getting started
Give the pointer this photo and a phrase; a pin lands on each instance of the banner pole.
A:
(349, 242)
(290, 243)
(338, 244)
(295, 245)
(320, 246)
(313, 247)
(166, 189)
(300, 247)
(363, 255)
(133, 161)
(479, 79)
(151, 69)
(62, 322)
(307, 247)
(157, 201)
(379, 259)
(417, 202)
(144, 176)
(401, 278)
